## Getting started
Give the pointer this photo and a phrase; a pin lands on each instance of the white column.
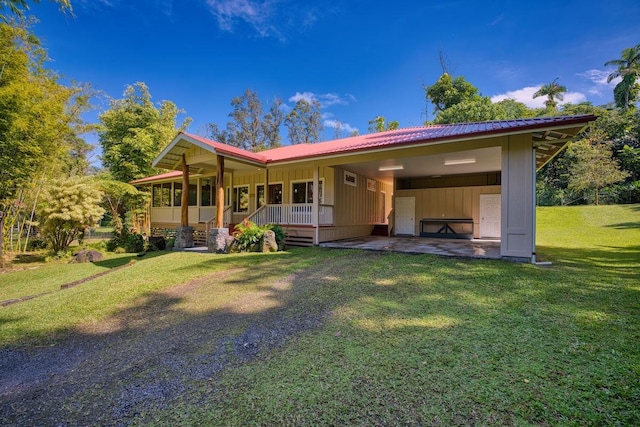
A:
(316, 205)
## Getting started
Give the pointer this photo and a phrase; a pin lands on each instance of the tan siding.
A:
(356, 205)
(328, 234)
(449, 203)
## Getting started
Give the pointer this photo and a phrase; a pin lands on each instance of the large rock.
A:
(269, 243)
(218, 238)
(184, 238)
(87, 255)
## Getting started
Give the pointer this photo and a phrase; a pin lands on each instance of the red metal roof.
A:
(419, 135)
(395, 138)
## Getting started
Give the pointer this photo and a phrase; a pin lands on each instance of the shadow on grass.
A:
(389, 339)
(625, 225)
(29, 258)
(123, 260)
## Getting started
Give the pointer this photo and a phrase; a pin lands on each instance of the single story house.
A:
(475, 180)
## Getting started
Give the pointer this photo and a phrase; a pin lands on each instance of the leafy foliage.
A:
(68, 207)
(447, 92)
(134, 131)
(18, 7)
(304, 122)
(593, 168)
(127, 241)
(39, 118)
(248, 235)
(250, 129)
(380, 124)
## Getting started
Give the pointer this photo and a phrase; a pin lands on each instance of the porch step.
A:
(380, 230)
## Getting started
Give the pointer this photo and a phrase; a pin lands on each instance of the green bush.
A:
(247, 235)
(129, 242)
(36, 244)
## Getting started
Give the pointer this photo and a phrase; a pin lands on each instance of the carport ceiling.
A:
(484, 160)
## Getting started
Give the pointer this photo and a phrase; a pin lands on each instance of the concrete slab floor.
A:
(489, 249)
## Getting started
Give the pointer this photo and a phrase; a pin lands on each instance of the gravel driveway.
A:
(139, 362)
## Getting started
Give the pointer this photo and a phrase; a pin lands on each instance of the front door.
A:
(490, 212)
(275, 194)
(405, 216)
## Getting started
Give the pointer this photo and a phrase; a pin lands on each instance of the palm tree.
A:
(628, 65)
(552, 91)
(17, 7)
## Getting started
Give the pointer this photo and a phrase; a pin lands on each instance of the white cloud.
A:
(525, 95)
(599, 80)
(325, 100)
(343, 127)
(258, 14)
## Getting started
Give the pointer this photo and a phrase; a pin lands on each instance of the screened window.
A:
(260, 196)
(193, 193)
(161, 195)
(241, 199)
(177, 194)
(207, 192)
(302, 192)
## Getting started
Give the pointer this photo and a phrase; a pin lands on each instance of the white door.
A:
(490, 212)
(405, 215)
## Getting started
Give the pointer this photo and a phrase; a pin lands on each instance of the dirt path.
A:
(143, 359)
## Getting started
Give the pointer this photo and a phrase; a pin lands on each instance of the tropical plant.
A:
(18, 7)
(554, 93)
(247, 234)
(69, 206)
(628, 68)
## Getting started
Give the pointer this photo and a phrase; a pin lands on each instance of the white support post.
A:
(316, 205)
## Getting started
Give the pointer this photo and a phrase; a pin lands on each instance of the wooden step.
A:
(380, 230)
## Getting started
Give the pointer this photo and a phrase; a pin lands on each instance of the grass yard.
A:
(354, 338)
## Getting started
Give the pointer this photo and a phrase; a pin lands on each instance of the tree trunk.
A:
(185, 192)
(1, 239)
(597, 198)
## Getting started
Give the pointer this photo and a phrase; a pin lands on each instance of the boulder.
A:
(269, 243)
(87, 255)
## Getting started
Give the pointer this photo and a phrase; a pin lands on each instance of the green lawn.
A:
(407, 339)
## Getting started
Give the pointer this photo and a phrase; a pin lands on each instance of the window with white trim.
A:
(302, 192)
(241, 198)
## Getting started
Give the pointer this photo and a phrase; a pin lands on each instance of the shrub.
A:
(247, 235)
(129, 242)
(36, 244)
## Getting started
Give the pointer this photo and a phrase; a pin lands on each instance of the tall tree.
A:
(628, 68)
(380, 124)
(134, 131)
(594, 168)
(447, 92)
(39, 118)
(18, 7)
(554, 93)
(304, 122)
(249, 129)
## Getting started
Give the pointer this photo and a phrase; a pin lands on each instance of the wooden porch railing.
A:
(292, 214)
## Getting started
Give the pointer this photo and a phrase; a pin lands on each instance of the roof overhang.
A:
(171, 157)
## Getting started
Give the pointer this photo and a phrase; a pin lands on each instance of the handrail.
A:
(256, 213)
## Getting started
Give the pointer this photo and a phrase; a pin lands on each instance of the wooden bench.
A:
(446, 229)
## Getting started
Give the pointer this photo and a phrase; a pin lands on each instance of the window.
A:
(302, 192)
(177, 194)
(161, 195)
(207, 192)
(241, 199)
(193, 193)
(275, 194)
(260, 196)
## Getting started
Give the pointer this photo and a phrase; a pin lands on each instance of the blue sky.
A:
(359, 58)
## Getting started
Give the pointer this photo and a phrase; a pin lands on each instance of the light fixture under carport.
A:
(459, 162)
(391, 168)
